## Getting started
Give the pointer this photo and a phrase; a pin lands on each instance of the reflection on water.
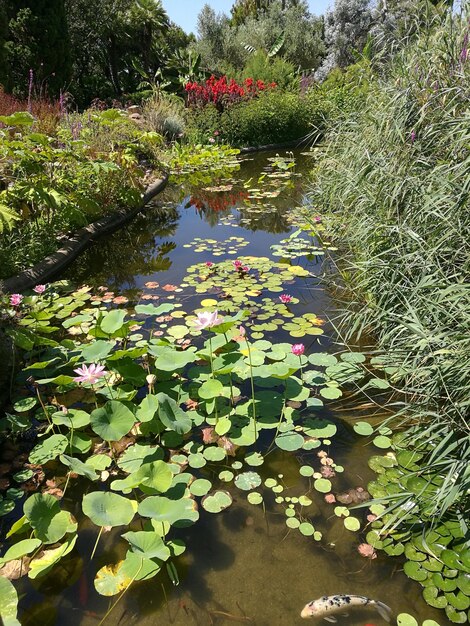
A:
(245, 565)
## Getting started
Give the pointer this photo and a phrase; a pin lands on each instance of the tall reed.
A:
(395, 177)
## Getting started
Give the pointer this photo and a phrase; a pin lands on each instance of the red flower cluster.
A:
(223, 92)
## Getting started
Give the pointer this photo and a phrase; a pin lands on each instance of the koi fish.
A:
(327, 606)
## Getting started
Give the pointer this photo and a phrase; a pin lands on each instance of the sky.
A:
(185, 12)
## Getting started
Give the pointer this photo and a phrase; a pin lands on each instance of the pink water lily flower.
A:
(209, 264)
(39, 289)
(285, 298)
(298, 349)
(15, 299)
(207, 319)
(89, 374)
(237, 264)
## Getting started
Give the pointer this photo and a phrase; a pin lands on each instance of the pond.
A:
(263, 558)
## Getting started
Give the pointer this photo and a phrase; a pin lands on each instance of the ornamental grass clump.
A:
(395, 179)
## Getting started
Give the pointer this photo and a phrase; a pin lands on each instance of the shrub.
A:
(164, 115)
(223, 92)
(270, 70)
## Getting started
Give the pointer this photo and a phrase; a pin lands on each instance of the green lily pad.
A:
(248, 480)
(306, 529)
(323, 485)
(406, 620)
(200, 487)
(254, 497)
(216, 501)
(289, 441)
(352, 523)
(363, 428)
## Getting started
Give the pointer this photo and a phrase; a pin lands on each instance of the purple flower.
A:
(89, 374)
(39, 289)
(15, 299)
(298, 349)
(413, 136)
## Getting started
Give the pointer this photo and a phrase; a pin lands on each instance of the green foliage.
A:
(260, 66)
(272, 118)
(394, 176)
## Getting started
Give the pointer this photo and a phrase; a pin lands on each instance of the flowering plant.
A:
(223, 92)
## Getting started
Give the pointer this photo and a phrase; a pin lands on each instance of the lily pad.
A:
(216, 501)
(248, 480)
(108, 509)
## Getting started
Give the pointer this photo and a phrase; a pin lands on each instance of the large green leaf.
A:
(42, 564)
(108, 509)
(44, 514)
(181, 512)
(155, 475)
(148, 545)
(112, 421)
(48, 450)
(8, 603)
(78, 467)
(113, 321)
(20, 549)
(172, 416)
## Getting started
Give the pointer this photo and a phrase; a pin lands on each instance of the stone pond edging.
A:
(43, 271)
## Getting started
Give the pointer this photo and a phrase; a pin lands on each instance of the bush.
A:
(270, 70)
(274, 117)
(164, 115)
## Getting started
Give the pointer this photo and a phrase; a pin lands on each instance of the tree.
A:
(37, 40)
(346, 30)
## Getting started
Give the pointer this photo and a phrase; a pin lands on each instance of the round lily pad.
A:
(382, 442)
(255, 498)
(289, 441)
(406, 620)
(248, 480)
(323, 485)
(226, 476)
(306, 470)
(306, 529)
(216, 501)
(200, 487)
(254, 459)
(352, 523)
(363, 428)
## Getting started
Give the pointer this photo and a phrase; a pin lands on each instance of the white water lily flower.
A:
(206, 319)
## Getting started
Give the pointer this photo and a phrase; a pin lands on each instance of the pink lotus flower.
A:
(209, 264)
(298, 349)
(245, 269)
(39, 289)
(237, 264)
(285, 298)
(206, 319)
(89, 374)
(15, 299)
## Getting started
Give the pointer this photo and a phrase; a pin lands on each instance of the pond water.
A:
(244, 565)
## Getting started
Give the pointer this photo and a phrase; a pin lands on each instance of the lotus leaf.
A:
(180, 513)
(248, 480)
(172, 416)
(147, 545)
(112, 421)
(45, 561)
(20, 549)
(108, 509)
(48, 450)
(45, 516)
(78, 467)
(8, 603)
